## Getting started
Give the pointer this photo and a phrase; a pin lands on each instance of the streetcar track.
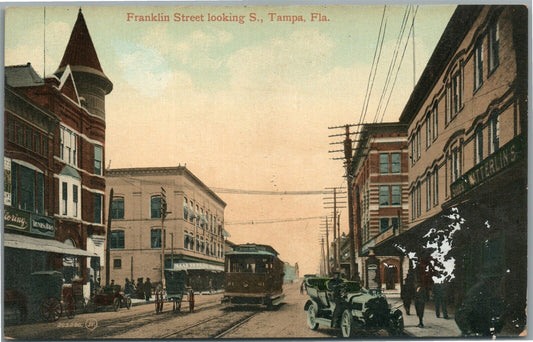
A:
(235, 326)
(224, 329)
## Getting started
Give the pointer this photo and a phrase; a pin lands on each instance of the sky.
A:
(245, 106)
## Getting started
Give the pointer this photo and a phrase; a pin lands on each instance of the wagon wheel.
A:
(51, 309)
(70, 307)
(82, 305)
(116, 303)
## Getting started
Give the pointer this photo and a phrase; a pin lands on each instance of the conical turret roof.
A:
(80, 53)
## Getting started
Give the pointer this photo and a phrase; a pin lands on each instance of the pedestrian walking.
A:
(421, 296)
(408, 292)
(140, 288)
(302, 287)
(439, 294)
(191, 300)
(147, 289)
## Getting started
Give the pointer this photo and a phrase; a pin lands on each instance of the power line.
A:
(253, 222)
(266, 192)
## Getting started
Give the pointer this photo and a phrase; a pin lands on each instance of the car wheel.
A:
(311, 317)
(347, 324)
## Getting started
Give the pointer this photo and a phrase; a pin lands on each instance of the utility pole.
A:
(327, 248)
(349, 178)
(172, 249)
(108, 240)
(163, 202)
(335, 237)
(339, 241)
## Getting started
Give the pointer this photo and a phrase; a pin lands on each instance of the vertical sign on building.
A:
(7, 181)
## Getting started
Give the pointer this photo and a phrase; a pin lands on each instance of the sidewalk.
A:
(433, 326)
(200, 300)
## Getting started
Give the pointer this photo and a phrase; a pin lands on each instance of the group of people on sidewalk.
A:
(411, 291)
(143, 290)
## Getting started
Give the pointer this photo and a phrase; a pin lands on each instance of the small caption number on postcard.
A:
(224, 17)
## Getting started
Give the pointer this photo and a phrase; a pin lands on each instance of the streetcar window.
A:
(250, 265)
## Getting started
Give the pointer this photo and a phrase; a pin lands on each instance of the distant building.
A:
(380, 166)
(194, 228)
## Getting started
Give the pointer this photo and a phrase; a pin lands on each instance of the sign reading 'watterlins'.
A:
(500, 160)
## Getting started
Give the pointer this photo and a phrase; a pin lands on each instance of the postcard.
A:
(278, 171)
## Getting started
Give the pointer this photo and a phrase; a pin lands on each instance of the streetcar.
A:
(254, 275)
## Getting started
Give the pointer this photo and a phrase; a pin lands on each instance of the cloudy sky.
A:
(244, 106)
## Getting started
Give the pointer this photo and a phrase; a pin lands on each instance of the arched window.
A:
(185, 210)
(494, 132)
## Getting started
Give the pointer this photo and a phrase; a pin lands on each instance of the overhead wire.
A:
(393, 62)
(401, 60)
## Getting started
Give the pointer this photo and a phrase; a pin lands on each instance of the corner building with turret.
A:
(56, 160)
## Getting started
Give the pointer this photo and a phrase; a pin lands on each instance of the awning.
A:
(197, 266)
(45, 245)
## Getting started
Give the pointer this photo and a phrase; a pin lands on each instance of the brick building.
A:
(62, 122)
(194, 233)
(380, 166)
(467, 119)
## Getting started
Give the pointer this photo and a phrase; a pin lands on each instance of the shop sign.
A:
(7, 181)
(42, 225)
(506, 156)
(16, 219)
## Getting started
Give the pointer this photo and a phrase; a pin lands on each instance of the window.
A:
(396, 194)
(75, 199)
(384, 163)
(436, 187)
(155, 238)
(29, 138)
(64, 198)
(117, 239)
(37, 141)
(384, 195)
(155, 207)
(413, 156)
(435, 121)
(117, 208)
(478, 140)
(27, 189)
(97, 208)
(197, 215)
(494, 47)
(191, 212)
(117, 263)
(456, 164)
(387, 223)
(185, 209)
(69, 146)
(383, 224)
(457, 93)
(418, 200)
(413, 205)
(429, 136)
(428, 192)
(478, 66)
(98, 160)
(494, 133)
(10, 128)
(418, 144)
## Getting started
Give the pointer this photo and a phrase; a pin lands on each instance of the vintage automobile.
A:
(358, 311)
